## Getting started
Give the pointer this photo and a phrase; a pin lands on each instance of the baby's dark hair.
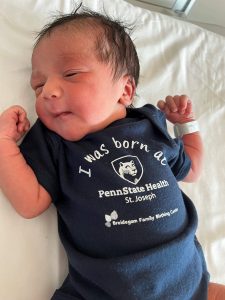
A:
(113, 44)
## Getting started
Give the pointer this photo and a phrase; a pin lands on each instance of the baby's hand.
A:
(13, 123)
(178, 109)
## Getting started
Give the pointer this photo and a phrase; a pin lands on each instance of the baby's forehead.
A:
(64, 47)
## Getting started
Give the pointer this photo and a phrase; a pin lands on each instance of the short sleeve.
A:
(39, 151)
(179, 161)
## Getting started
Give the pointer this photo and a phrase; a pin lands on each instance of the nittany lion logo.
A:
(128, 168)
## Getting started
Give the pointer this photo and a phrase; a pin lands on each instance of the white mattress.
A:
(176, 58)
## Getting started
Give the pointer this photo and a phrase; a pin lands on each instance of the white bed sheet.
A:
(176, 58)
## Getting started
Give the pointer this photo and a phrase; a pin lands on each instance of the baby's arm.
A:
(17, 180)
(178, 109)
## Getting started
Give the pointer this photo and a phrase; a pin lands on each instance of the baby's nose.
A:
(52, 90)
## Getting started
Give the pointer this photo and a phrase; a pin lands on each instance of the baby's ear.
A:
(128, 92)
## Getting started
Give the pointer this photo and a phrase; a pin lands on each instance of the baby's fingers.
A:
(171, 104)
(185, 105)
(23, 124)
(181, 103)
(161, 105)
(19, 116)
(166, 106)
(189, 109)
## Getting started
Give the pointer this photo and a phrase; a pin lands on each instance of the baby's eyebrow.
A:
(35, 76)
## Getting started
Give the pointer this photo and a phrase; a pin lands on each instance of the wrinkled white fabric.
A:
(176, 58)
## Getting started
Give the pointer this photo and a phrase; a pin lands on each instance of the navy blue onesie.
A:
(127, 228)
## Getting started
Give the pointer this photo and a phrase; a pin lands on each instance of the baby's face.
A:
(75, 93)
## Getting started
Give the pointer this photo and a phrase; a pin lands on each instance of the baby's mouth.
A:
(62, 114)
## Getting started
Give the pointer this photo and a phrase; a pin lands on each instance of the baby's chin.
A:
(73, 128)
(70, 131)
(74, 135)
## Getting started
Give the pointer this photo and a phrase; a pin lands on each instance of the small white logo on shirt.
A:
(128, 168)
(110, 218)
